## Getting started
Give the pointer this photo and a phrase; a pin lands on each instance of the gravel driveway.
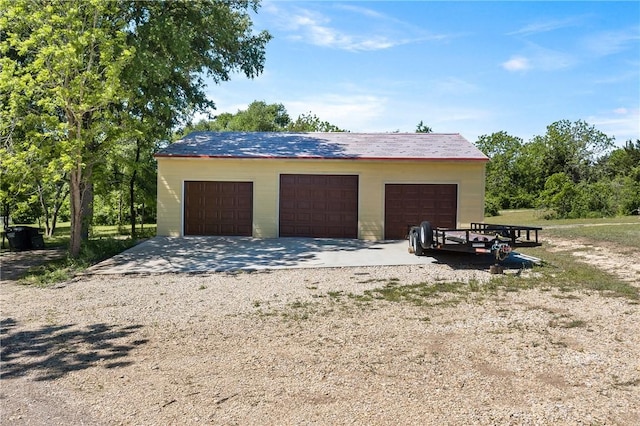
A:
(305, 346)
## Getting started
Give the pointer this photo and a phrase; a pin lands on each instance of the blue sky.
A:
(463, 67)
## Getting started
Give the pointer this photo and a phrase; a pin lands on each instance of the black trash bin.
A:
(19, 238)
(25, 238)
(35, 238)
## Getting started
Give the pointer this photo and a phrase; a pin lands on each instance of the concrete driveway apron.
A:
(215, 254)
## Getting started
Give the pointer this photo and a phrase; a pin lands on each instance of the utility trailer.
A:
(480, 238)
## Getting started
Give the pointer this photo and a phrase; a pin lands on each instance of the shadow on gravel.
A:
(16, 264)
(53, 351)
(468, 261)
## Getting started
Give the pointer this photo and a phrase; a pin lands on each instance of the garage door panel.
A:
(228, 216)
(410, 204)
(334, 218)
(218, 208)
(245, 217)
(286, 218)
(320, 206)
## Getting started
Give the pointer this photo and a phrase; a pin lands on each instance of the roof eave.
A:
(310, 157)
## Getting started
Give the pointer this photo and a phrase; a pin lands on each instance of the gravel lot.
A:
(291, 347)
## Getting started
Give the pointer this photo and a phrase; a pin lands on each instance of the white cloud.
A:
(517, 63)
(362, 11)
(313, 27)
(611, 42)
(539, 58)
(622, 122)
(357, 113)
(546, 26)
(631, 73)
(550, 60)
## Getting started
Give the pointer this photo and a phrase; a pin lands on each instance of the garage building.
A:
(326, 185)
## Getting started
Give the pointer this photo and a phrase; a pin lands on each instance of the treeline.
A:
(572, 171)
(124, 179)
(261, 117)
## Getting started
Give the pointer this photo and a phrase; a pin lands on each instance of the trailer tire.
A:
(416, 244)
(426, 235)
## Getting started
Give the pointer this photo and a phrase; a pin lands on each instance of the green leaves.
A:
(567, 170)
(78, 77)
(262, 117)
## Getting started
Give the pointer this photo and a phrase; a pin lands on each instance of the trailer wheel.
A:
(416, 244)
(426, 235)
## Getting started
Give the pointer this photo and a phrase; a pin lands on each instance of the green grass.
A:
(63, 230)
(623, 231)
(104, 242)
(561, 274)
(423, 294)
(621, 235)
(536, 218)
(60, 270)
(561, 271)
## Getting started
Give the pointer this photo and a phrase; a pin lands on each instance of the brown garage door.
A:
(218, 208)
(319, 206)
(410, 204)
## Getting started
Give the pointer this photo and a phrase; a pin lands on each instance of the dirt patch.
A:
(621, 262)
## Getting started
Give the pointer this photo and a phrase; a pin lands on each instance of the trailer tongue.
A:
(480, 238)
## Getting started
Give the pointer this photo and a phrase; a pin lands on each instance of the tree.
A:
(205, 37)
(621, 169)
(570, 148)
(99, 72)
(422, 128)
(621, 161)
(261, 117)
(70, 57)
(311, 123)
(559, 194)
(505, 173)
(560, 170)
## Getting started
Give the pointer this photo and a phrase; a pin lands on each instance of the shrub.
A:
(491, 207)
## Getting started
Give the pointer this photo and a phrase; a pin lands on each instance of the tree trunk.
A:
(132, 184)
(132, 204)
(45, 208)
(5, 220)
(87, 208)
(75, 188)
(51, 212)
(120, 204)
(61, 194)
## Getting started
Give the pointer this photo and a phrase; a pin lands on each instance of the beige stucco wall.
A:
(265, 175)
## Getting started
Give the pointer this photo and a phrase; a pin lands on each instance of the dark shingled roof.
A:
(380, 146)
